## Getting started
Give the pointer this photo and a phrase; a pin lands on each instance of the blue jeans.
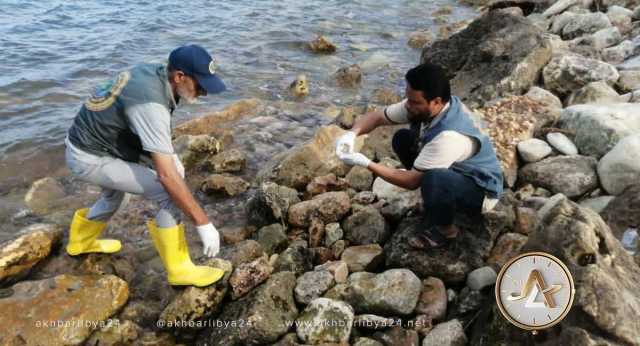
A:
(444, 191)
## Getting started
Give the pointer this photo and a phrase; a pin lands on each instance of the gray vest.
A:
(101, 126)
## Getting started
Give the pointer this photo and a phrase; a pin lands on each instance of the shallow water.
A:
(53, 52)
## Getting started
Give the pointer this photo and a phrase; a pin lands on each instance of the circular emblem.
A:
(534, 291)
(106, 93)
(212, 67)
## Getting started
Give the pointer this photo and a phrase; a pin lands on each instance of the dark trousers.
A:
(444, 191)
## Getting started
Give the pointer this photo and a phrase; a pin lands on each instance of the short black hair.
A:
(431, 79)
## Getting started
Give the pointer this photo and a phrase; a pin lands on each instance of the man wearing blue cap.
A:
(121, 141)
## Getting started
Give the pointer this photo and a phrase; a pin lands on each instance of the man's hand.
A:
(355, 159)
(345, 144)
(210, 239)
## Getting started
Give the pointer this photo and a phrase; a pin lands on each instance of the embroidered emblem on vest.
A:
(105, 94)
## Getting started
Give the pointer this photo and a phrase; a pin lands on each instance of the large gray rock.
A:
(547, 98)
(620, 168)
(562, 143)
(450, 333)
(594, 92)
(394, 291)
(272, 238)
(619, 53)
(325, 321)
(270, 204)
(270, 308)
(511, 46)
(607, 277)
(399, 201)
(582, 24)
(533, 149)
(366, 226)
(598, 128)
(572, 176)
(312, 285)
(601, 39)
(569, 72)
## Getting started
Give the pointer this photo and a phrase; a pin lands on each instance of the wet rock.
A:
(628, 81)
(363, 257)
(620, 168)
(618, 54)
(450, 333)
(321, 44)
(325, 320)
(598, 128)
(224, 184)
(241, 252)
(333, 233)
(295, 259)
(366, 226)
(597, 204)
(433, 299)
(196, 149)
(69, 298)
(451, 265)
(232, 160)
(533, 149)
(419, 39)
(397, 336)
(143, 313)
(20, 255)
(398, 201)
(584, 243)
(312, 285)
(116, 333)
(481, 278)
(249, 275)
(581, 24)
(44, 194)
(325, 183)
(299, 87)
(349, 77)
(195, 303)
(562, 143)
(216, 122)
(394, 291)
(232, 234)
(509, 45)
(266, 311)
(594, 92)
(272, 238)
(569, 72)
(570, 175)
(270, 204)
(314, 158)
(328, 207)
(507, 247)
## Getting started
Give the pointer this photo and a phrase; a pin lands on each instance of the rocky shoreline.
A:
(555, 85)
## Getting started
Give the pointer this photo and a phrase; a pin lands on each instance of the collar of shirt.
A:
(172, 97)
(438, 117)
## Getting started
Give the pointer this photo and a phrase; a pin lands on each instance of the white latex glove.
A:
(355, 159)
(179, 165)
(210, 239)
(345, 143)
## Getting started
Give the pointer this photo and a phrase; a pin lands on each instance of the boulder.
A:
(398, 201)
(349, 76)
(321, 44)
(569, 72)
(325, 321)
(607, 276)
(550, 102)
(560, 142)
(241, 252)
(598, 128)
(433, 299)
(594, 92)
(620, 168)
(232, 160)
(272, 238)
(249, 275)
(582, 24)
(394, 291)
(623, 211)
(44, 194)
(312, 285)
(194, 150)
(363, 257)
(325, 183)
(270, 204)
(481, 278)
(507, 247)
(216, 122)
(572, 176)
(533, 149)
(599, 40)
(46, 309)
(360, 178)
(295, 259)
(328, 207)
(260, 317)
(226, 185)
(597, 204)
(450, 333)
(20, 255)
(619, 53)
(509, 45)
(366, 226)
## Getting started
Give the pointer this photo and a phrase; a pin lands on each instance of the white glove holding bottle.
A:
(345, 143)
(210, 239)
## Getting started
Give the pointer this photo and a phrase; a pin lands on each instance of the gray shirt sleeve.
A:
(152, 123)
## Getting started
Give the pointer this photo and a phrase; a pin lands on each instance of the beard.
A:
(424, 116)
(185, 95)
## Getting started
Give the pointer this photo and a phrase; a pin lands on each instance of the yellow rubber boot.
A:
(172, 246)
(83, 235)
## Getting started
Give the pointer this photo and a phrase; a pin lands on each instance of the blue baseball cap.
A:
(194, 61)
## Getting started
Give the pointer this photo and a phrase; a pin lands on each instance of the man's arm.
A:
(409, 180)
(177, 188)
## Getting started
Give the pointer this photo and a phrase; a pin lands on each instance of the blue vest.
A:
(483, 167)
(101, 126)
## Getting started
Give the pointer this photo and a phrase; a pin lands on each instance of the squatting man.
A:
(444, 153)
(121, 140)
